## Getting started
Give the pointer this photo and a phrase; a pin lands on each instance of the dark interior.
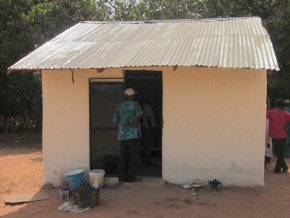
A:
(104, 145)
(148, 84)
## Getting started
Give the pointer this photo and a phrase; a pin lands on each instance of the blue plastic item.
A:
(75, 179)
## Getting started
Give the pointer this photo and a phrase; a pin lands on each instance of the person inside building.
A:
(278, 120)
(148, 127)
(127, 115)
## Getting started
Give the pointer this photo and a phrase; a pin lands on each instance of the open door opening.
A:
(105, 95)
(148, 84)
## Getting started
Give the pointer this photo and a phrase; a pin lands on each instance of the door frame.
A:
(98, 80)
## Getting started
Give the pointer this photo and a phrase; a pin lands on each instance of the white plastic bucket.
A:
(97, 178)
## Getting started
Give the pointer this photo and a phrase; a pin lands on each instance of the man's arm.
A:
(139, 112)
(138, 115)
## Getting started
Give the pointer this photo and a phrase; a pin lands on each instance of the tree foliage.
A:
(26, 24)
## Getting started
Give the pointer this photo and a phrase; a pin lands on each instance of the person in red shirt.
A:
(278, 119)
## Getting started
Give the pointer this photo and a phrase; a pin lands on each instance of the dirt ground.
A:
(21, 171)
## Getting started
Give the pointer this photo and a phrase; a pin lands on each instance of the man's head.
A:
(279, 102)
(286, 102)
(130, 94)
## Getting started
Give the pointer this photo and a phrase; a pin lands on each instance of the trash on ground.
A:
(64, 193)
(196, 184)
(24, 198)
(186, 186)
(69, 207)
(216, 185)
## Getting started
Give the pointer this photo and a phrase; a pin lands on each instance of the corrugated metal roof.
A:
(228, 42)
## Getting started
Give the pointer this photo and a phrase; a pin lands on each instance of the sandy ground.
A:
(21, 170)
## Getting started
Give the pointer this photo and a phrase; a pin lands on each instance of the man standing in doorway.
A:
(278, 119)
(127, 116)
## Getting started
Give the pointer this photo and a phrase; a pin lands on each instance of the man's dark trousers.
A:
(129, 159)
(279, 148)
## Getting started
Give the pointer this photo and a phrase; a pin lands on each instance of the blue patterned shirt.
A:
(125, 115)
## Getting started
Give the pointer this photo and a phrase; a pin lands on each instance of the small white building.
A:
(205, 79)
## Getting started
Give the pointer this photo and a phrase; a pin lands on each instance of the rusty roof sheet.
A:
(224, 42)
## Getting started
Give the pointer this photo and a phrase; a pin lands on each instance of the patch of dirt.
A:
(188, 201)
(21, 171)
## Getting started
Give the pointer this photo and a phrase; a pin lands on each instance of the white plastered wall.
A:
(214, 123)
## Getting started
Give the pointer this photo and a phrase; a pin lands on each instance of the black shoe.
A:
(285, 170)
(134, 180)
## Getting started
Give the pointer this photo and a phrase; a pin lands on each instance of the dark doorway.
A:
(105, 94)
(148, 84)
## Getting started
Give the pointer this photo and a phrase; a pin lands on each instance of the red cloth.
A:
(278, 119)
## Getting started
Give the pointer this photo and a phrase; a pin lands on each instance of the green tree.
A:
(24, 25)
(13, 44)
(51, 17)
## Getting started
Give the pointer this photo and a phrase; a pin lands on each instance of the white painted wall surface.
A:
(214, 123)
